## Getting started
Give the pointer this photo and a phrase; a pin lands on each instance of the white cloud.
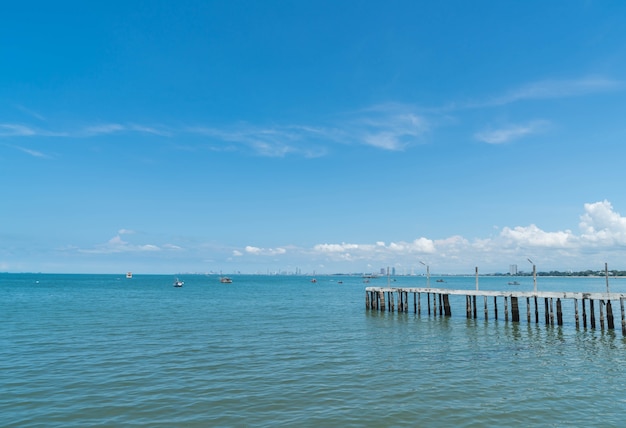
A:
(560, 89)
(532, 236)
(118, 245)
(264, 251)
(511, 132)
(15, 130)
(601, 225)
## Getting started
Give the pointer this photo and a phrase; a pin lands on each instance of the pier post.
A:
(576, 313)
(382, 301)
(514, 309)
(475, 308)
(621, 304)
(468, 307)
(435, 304)
(506, 309)
(559, 312)
(486, 311)
(592, 313)
(547, 309)
(528, 309)
(446, 305)
(584, 313)
(536, 312)
(419, 303)
(601, 315)
(415, 302)
(440, 304)
(367, 300)
(495, 307)
(428, 302)
(551, 312)
(609, 315)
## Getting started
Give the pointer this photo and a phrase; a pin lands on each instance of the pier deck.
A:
(392, 298)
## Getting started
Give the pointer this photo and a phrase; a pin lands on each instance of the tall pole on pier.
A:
(476, 278)
(427, 274)
(606, 274)
(534, 275)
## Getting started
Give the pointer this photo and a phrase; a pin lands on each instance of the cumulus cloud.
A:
(533, 236)
(264, 251)
(601, 225)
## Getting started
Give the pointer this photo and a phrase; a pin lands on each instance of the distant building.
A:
(513, 269)
(383, 271)
(393, 271)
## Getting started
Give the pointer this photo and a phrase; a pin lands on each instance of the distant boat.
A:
(178, 283)
(440, 280)
(129, 275)
(513, 283)
(226, 280)
(313, 280)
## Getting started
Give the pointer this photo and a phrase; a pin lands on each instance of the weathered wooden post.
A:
(475, 308)
(536, 311)
(547, 309)
(609, 315)
(446, 305)
(621, 304)
(584, 313)
(428, 302)
(486, 311)
(415, 302)
(528, 309)
(419, 303)
(440, 304)
(495, 307)
(514, 310)
(559, 312)
(551, 312)
(592, 313)
(576, 313)
(506, 309)
(468, 307)
(367, 299)
(601, 314)
(382, 300)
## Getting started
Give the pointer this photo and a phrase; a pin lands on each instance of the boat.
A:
(226, 280)
(440, 280)
(513, 283)
(314, 280)
(129, 275)
(178, 283)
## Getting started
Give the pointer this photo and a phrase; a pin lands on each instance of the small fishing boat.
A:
(178, 283)
(226, 280)
(513, 283)
(129, 275)
(314, 280)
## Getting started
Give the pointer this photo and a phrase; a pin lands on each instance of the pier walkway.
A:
(438, 301)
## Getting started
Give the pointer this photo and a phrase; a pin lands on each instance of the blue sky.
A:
(326, 136)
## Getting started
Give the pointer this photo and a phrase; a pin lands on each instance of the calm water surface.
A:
(101, 350)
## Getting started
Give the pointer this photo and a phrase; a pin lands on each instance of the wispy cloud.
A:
(511, 132)
(16, 130)
(386, 126)
(118, 245)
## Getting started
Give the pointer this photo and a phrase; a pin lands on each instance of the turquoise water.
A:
(101, 350)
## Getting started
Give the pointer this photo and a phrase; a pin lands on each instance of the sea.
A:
(283, 351)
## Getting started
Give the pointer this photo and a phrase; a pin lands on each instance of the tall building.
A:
(513, 269)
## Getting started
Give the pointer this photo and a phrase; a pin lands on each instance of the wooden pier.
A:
(549, 303)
